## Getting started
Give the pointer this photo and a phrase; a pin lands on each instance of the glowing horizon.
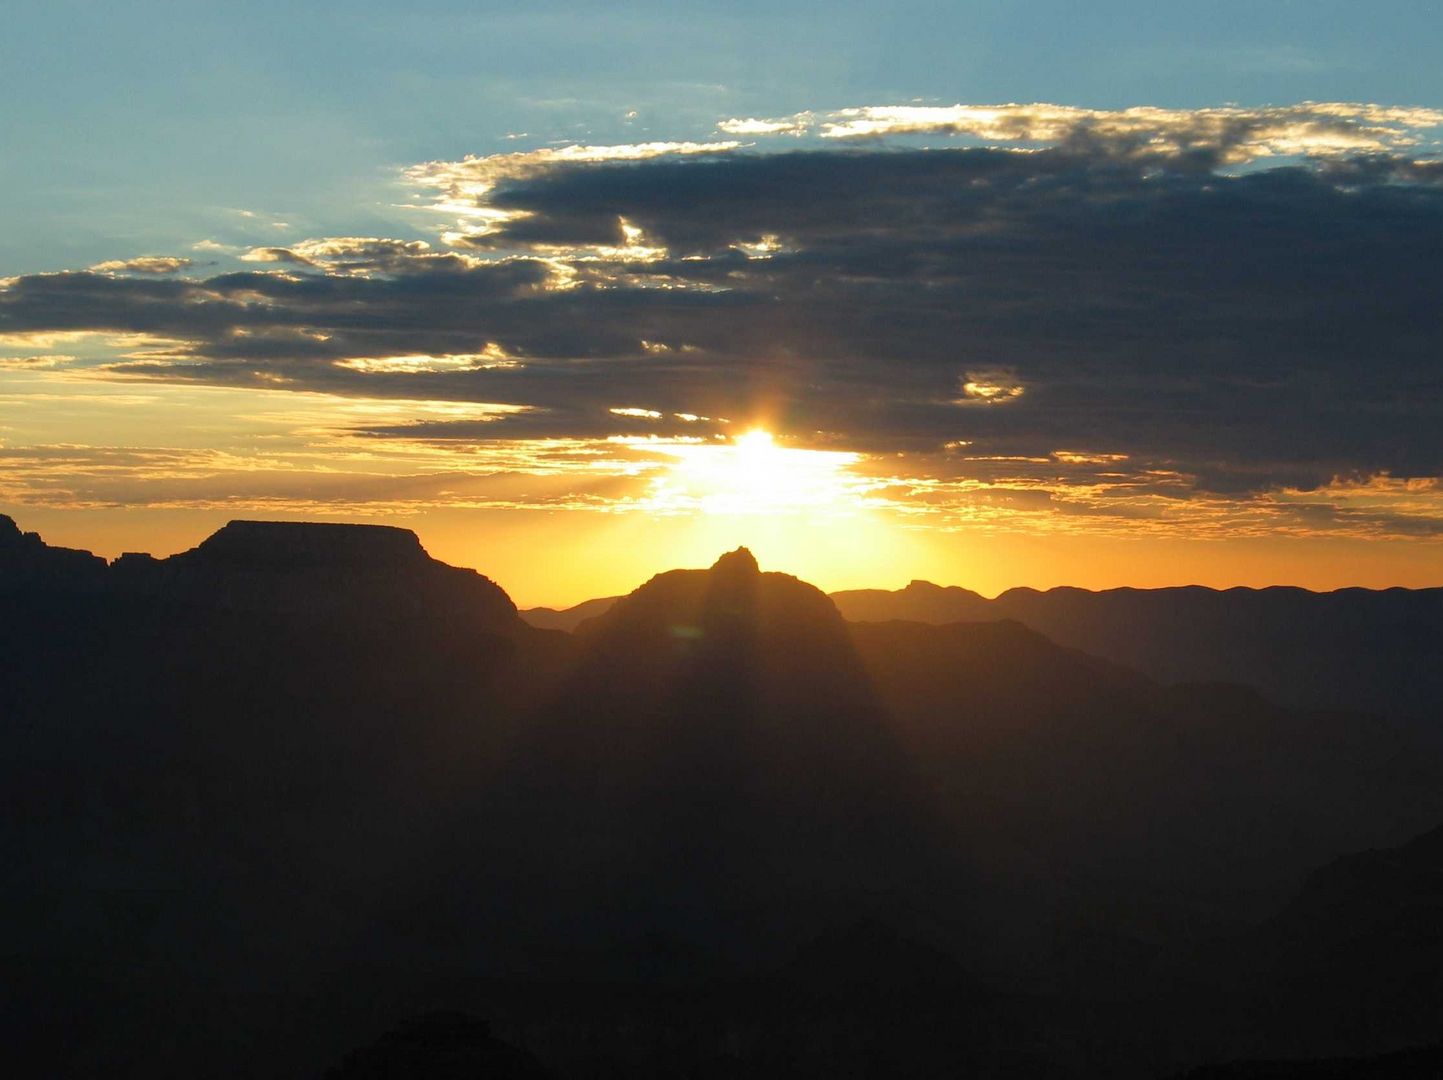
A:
(984, 344)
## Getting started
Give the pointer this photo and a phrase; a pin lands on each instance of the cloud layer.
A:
(1105, 315)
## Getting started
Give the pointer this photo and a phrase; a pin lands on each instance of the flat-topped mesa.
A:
(324, 570)
(299, 545)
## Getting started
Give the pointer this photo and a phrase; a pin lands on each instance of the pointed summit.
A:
(730, 598)
(738, 563)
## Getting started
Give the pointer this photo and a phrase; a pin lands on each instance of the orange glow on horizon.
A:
(555, 521)
(561, 558)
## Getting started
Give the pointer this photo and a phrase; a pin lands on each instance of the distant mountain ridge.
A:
(567, 619)
(1359, 649)
(1348, 649)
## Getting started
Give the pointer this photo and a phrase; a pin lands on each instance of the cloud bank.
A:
(1111, 316)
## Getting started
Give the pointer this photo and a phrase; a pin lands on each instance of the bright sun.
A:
(752, 474)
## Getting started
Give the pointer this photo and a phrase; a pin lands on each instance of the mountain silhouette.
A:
(271, 796)
(323, 572)
(1359, 649)
(567, 619)
(27, 562)
(716, 766)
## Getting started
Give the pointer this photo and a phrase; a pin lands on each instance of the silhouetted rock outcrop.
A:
(439, 1046)
(27, 562)
(304, 545)
(327, 571)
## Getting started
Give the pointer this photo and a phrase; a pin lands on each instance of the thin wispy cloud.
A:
(1229, 135)
(145, 264)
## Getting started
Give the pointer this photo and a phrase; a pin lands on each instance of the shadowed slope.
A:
(1114, 815)
(1355, 961)
(717, 768)
(1373, 651)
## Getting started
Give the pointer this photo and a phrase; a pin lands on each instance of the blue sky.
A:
(140, 127)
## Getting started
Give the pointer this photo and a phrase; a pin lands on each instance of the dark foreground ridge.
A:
(439, 1046)
(1423, 1063)
(278, 795)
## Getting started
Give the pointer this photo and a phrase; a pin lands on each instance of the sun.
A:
(753, 474)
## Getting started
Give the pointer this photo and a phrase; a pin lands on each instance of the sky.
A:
(992, 294)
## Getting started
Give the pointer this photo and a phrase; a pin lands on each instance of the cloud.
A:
(359, 255)
(992, 386)
(1117, 325)
(798, 124)
(146, 264)
(363, 247)
(492, 356)
(275, 255)
(46, 360)
(1230, 135)
(462, 186)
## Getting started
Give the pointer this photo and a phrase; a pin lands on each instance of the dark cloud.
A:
(1276, 328)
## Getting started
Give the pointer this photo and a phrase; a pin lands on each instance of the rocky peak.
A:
(26, 561)
(738, 563)
(730, 600)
